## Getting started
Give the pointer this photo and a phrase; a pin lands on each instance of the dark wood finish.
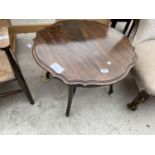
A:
(110, 89)
(11, 93)
(82, 48)
(18, 74)
(71, 92)
(140, 98)
(115, 21)
(133, 29)
(47, 75)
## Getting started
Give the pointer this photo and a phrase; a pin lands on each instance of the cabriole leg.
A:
(141, 97)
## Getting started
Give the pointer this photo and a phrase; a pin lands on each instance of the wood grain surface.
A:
(83, 48)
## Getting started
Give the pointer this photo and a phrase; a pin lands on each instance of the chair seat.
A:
(144, 71)
(6, 73)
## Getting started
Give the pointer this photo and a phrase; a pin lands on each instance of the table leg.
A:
(47, 75)
(71, 92)
(110, 89)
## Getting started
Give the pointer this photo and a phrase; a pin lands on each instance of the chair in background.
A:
(127, 25)
(143, 38)
(9, 68)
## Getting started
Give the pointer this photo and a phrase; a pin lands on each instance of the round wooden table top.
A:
(81, 52)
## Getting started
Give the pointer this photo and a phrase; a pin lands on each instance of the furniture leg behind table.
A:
(115, 21)
(141, 97)
(47, 75)
(111, 89)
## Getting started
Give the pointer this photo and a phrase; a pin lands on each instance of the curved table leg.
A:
(141, 97)
(110, 89)
(71, 92)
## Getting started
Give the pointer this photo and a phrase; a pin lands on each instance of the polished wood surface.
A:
(83, 48)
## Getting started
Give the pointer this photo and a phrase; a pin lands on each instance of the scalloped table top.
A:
(81, 52)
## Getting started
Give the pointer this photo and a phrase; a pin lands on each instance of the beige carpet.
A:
(93, 110)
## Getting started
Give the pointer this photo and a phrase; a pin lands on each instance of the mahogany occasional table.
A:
(83, 53)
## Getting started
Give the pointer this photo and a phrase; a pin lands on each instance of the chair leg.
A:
(110, 89)
(19, 75)
(126, 26)
(114, 23)
(71, 92)
(25, 88)
(141, 97)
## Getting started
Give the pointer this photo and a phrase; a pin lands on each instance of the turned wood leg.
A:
(141, 97)
(110, 89)
(47, 75)
(71, 92)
